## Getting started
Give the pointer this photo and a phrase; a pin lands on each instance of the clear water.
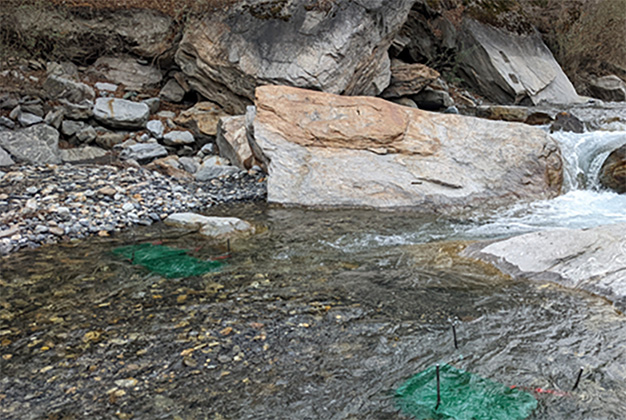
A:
(321, 315)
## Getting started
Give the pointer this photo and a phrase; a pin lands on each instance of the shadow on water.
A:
(322, 315)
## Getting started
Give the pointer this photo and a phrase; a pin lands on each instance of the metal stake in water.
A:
(438, 389)
(456, 344)
(580, 374)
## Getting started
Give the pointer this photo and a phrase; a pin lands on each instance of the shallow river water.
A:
(320, 315)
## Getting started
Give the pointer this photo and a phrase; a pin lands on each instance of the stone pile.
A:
(101, 127)
(45, 204)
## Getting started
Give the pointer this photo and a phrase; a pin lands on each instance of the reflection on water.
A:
(320, 316)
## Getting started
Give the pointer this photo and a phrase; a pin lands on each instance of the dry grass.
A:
(586, 36)
(173, 8)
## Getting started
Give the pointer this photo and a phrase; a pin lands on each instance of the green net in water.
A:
(464, 396)
(166, 261)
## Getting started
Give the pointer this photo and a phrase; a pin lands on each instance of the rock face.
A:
(329, 150)
(144, 33)
(509, 68)
(613, 171)
(38, 144)
(215, 227)
(589, 259)
(338, 47)
(120, 113)
(608, 88)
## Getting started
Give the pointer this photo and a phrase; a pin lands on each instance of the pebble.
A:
(51, 203)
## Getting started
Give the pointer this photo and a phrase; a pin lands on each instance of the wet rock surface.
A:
(298, 324)
(590, 259)
(613, 172)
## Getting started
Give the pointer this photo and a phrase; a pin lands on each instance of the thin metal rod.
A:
(580, 374)
(456, 343)
(438, 390)
(228, 246)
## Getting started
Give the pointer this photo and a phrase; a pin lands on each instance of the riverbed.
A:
(320, 315)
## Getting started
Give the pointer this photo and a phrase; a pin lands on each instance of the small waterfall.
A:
(584, 154)
(583, 204)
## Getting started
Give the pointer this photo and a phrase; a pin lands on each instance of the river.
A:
(321, 315)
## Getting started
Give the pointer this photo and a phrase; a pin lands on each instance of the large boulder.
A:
(338, 47)
(613, 172)
(329, 150)
(608, 88)
(588, 259)
(38, 144)
(508, 68)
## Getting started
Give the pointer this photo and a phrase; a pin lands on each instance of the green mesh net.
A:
(166, 261)
(464, 396)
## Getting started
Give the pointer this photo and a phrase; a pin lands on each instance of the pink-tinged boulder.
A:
(330, 150)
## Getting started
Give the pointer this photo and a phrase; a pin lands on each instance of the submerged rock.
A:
(214, 227)
(329, 150)
(590, 259)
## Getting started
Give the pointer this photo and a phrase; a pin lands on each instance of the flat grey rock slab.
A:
(156, 128)
(121, 113)
(27, 119)
(589, 259)
(81, 154)
(144, 151)
(214, 227)
(37, 144)
(178, 138)
(5, 159)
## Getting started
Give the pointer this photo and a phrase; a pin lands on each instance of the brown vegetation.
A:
(174, 8)
(587, 37)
